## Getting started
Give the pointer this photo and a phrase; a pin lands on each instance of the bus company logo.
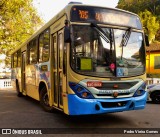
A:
(115, 94)
(6, 131)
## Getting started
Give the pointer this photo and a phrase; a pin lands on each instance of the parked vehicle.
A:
(154, 93)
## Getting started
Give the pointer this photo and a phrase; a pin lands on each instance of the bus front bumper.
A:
(79, 106)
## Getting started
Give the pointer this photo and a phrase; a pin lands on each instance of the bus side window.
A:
(44, 46)
(15, 60)
(19, 58)
(32, 52)
(40, 47)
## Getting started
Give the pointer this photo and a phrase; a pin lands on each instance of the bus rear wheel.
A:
(44, 100)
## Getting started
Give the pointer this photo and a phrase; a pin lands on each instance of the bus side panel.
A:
(16, 75)
(31, 88)
(43, 74)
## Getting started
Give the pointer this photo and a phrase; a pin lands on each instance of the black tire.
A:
(19, 94)
(156, 97)
(44, 100)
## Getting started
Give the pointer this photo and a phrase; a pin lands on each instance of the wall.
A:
(150, 62)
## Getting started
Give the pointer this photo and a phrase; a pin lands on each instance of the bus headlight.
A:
(140, 91)
(80, 91)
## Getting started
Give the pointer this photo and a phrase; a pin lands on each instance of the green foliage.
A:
(18, 21)
(149, 11)
(150, 23)
(138, 6)
(153, 75)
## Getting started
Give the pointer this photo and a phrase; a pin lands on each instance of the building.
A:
(153, 58)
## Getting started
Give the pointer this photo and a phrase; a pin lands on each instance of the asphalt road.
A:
(25, 113)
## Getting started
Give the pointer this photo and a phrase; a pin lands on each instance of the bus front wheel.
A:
(44, 100)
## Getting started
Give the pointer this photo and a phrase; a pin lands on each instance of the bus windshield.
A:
(105, 56)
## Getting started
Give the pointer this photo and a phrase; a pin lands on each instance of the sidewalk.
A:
(7, 90)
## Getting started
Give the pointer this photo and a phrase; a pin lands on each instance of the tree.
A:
(150, 24)
(147, 9)
(18, 21)
(138, 6)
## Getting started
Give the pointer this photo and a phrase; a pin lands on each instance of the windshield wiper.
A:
(125, 39)
(100, 31)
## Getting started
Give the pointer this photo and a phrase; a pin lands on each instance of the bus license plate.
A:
(94, 84)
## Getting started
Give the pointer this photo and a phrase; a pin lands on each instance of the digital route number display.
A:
(83, 14)
(104, 15)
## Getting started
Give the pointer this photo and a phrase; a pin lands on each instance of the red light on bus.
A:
(115, 86)
(115, 94)
(84, 94)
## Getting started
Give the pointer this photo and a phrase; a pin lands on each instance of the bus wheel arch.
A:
(19, 94)
(44, 98)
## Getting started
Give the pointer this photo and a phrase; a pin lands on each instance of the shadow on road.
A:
(26, 112)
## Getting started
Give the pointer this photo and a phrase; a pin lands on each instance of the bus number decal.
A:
(83, 14)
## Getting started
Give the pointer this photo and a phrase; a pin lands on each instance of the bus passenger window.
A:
(15, 60)
(45, 55)
(32, 52)
(40, 47)
(19, 58)
(44, 46)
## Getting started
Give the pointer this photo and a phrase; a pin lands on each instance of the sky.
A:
(49, 8)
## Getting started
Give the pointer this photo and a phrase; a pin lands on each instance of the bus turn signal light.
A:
(84, 94)
(80, 91)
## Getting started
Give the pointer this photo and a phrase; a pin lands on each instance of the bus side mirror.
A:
(67, 38)
(147, 40)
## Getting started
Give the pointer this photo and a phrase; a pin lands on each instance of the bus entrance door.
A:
(57, 63)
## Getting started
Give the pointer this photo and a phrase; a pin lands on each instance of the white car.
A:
(154, 93)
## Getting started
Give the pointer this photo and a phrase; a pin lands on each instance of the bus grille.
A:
(123, 86)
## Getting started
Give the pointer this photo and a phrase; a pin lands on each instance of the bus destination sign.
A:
(104, 15)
